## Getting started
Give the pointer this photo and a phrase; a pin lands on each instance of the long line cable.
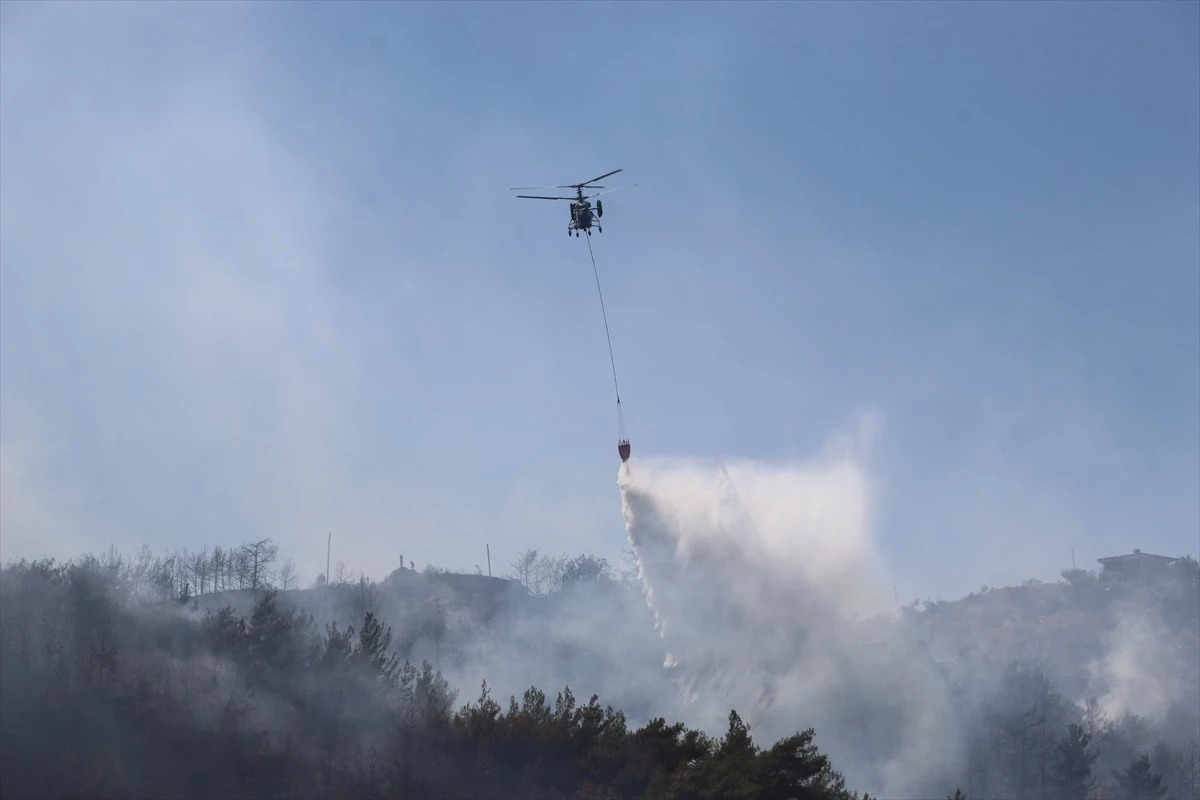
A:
(612, 360)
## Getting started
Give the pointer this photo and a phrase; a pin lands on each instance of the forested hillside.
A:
(1103, 680)
(108, 691)
(182, 676)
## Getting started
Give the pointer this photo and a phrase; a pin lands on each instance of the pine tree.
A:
(1137, 782)
(373, 641)
(1072, 777)
(731, 771)
(795, 768)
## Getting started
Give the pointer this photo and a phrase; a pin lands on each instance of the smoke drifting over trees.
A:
(112, 689)
(748, 615)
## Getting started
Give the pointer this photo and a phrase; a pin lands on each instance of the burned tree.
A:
(258, 559)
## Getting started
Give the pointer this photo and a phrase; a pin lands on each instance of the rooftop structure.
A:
(1134, 567)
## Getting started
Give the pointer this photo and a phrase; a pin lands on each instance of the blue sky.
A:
(260, 273)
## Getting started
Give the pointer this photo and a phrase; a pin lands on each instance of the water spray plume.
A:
(758, 576)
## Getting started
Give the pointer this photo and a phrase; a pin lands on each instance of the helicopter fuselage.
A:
(581, 214)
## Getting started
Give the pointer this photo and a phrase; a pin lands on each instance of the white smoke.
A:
(1145, 669)
(761, 578)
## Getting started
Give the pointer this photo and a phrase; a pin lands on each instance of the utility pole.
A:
(1072, 558)
(325, 599)
(489, 552)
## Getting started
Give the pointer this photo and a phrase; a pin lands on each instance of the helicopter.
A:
(582, 216)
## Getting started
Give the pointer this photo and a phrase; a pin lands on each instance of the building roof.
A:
(1136, 555)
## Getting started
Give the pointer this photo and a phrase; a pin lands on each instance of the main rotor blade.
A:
(586, 183)
(606, 191)
(602, 177)
(542, 197)
(530, 188)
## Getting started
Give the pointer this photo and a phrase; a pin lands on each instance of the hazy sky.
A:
(261, 275)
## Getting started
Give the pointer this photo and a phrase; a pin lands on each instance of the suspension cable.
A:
(608, 336)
